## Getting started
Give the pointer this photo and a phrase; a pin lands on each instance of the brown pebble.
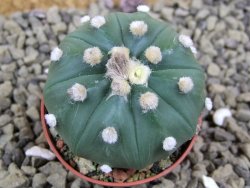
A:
(119, 175)
(130, 172)
(142, 176)
(59, 144)
(72, 163)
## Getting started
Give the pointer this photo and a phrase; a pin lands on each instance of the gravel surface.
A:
(220, 30)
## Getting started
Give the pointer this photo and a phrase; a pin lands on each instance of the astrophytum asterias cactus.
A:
(125, 89)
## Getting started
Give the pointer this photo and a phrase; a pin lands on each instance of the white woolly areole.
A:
(46, 71)
(143, 8)
(193, 50)
(106, 168)
(56, 54)
(92, 56)
(185, 84)
(153, 54)
(109, 135)
(85, 19)
(97, 21)
(138, 73)
(148, 101)
(209, 182)
(186, 41)
(53, 131)
(208, 104)
(50, 120)
(169, 143)
(77, 92)
(120, 87)
(220, 115)
(120, 50)
(138, 28)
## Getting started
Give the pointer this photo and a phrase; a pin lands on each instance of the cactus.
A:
(124, 90)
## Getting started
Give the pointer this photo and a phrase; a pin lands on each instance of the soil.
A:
(120, 175)
(10, 6)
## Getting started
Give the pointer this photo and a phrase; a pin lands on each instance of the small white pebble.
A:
(153, 54)
(106, 168)
(85, 19)
(77, 92)
(50, 120)
(92, 56)
(169, 143)
(148, 101)
(220, 115)
(185, 84)
(138, 28)
(208, 104)
(186, 41)
(143, 8)
(208, 182)
(109, 135)
(37, 151)
(56, 54)
(138, 73)
(84, 165)
(97, 21)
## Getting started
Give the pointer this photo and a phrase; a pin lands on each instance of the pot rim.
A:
(110, 184)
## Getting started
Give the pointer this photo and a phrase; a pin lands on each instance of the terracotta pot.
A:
(111, 184)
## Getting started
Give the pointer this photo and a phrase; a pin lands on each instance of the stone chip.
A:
(6, 89)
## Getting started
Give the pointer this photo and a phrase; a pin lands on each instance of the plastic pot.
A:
(111, 184)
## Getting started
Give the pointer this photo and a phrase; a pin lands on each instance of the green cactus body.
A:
(121, 127)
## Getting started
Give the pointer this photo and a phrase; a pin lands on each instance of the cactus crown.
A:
(125, 90)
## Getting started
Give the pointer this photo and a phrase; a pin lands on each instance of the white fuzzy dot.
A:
(53, 132)
(109, 135)
(138, 28)
(193, 50)
(169, 143)
(186, 41)
(138, 73)
(97, 21)
(92, 56)
(185, 84)
(220, 115)
(148, 101)
(120, 50)
(50, 120)
(120, 87)
(77, 92)
(85, 19)
(208, 104)
(143, 8)
(56, 54)
(153, 54)
(106, 168)
(46, 70)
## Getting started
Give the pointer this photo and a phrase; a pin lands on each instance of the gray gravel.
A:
(220, 30)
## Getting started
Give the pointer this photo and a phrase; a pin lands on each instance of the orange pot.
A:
(110, 184)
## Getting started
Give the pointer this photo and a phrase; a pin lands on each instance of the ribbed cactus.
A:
(124, 90)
